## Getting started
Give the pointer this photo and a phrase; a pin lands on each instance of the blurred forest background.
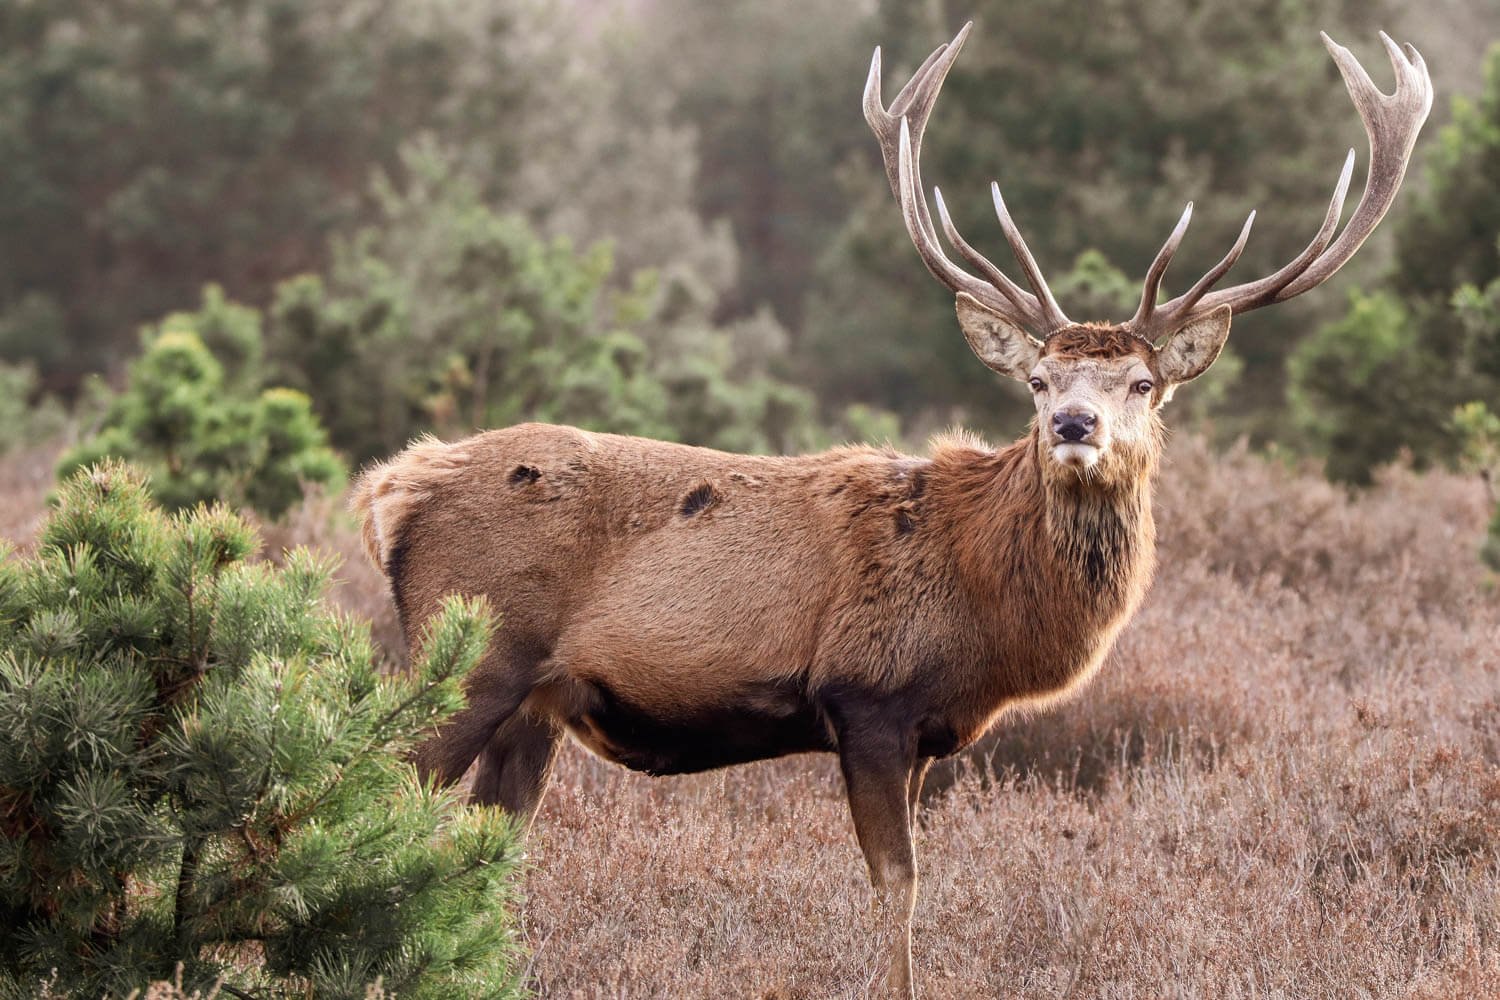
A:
(669, 218)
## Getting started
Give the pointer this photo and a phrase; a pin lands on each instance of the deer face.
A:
(1085, 405)
(1096, 387)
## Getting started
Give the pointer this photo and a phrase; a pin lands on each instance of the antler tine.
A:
(914, 104)
(991, 273)
(1392, 122)
(899, 130)
(919, 228)
(1254, 294)
(1158, 268)
(1165, 319)
(1192, 295)
(1051, 313)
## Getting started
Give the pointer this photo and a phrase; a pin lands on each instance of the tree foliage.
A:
(147, 148)
(200, 764)
(1479, 430)
(1447, 237)
(1386, 376)
(447, 315)
(26, 415)
(1361, 389)
(199, 422)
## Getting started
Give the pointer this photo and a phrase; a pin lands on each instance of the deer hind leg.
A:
(878, 776)
(516, 765)
(914, 787)
(495, 690)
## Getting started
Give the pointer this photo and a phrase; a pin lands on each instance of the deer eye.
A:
(1143, 387)
(1037, 385)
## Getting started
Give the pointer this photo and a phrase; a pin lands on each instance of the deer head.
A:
(1098, 386)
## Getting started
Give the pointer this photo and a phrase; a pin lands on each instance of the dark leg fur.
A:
(493, 695)
(878, 776)
(516, 765)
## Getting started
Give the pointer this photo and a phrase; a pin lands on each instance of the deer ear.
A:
(999, 343)
(1188, 352)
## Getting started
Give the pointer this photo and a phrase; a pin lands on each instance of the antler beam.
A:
(1392, 122)
(899, 129)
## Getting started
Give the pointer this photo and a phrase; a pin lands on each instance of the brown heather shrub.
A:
(25, 480)
(1284, 783)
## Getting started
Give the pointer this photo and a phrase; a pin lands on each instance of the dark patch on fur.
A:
(771, 722)
(879, 500)
(905, 522)
(698, 499)
(524, 475)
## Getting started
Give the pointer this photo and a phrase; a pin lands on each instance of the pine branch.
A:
(396, 712)
(375, 742)
(186, 874)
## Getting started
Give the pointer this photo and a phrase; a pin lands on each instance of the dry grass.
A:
(25, 480)
(1285, 783)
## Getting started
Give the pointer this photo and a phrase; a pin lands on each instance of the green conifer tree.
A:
(200, 764)
(193, 415)
(1385, 377)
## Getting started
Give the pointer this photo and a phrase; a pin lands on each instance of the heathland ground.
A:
(1285, 782)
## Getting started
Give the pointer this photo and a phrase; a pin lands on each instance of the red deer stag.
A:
(676, 609)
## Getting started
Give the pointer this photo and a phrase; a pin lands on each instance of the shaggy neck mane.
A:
(1045, 530)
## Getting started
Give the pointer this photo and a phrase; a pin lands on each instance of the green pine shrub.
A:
(26, 416)
(1365, 387)
(197, 420)
(200, 764)
(446, 315)
(1479, 430)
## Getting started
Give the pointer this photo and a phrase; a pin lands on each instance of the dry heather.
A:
(1285, 783)
(25, 480)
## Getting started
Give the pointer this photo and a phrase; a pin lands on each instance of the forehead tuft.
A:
(1096, 340)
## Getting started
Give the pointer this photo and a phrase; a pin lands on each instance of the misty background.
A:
(669, 218)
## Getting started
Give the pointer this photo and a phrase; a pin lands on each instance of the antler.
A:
(899, 130)
(1392, 122)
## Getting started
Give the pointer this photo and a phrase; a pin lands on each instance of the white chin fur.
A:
(1075, 455)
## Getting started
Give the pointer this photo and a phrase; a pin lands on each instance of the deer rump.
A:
(676, 608)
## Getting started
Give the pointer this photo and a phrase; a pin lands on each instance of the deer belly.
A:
(764, 724)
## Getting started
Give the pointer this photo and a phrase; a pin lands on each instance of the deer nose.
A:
(1073, 425)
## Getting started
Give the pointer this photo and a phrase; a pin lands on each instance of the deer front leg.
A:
(877, 776)
(493, 697)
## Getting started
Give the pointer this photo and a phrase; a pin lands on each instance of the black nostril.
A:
(1073, 425)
